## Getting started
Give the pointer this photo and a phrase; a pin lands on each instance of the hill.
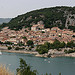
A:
(4, 20)
(63, 17)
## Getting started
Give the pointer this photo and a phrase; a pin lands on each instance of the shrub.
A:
(25, 69)
(42, 49)
(5, 71)
(9, 48)
(17, 48)
(30, 43)
(69, 51)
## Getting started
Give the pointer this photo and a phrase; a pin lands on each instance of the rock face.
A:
(70, 21)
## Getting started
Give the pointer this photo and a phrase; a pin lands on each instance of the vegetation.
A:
(59, 73)
(5, 71)
(9, 48)
(56, 45)
(8, 43)
(43, 32)
(20, 44)
(43, 48)
(18, 48)
(30, 43)
(72, 28)
(71, 44)
(69, 51)
(51, 74)
(51, 17)
(1, 42)
(24, 38)
(25, 69)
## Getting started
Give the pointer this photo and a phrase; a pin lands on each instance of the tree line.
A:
(56, 45)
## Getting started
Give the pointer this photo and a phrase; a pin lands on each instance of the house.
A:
(38, 26)
(34, 28)
(55, 28)
(13, 40)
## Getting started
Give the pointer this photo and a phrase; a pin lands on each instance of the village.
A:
(38, 34)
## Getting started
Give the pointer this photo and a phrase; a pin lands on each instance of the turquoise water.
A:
(65, 65)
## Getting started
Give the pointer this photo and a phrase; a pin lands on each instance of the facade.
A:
(37, 27)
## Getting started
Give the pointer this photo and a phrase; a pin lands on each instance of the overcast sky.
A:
(12, 8)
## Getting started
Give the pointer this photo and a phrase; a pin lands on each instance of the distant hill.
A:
(62, 17)
(4, 20)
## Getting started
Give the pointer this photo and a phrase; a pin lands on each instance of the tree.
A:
(25, 39)
(42, 49)
(9, 43)
(59, 73)
(47, 44)
(17, 48)
(1, 42)
(62, 45)
(70, 44)
(20, 44)
(56, 44)
(25, 69)
(50, 74)
(30, 43)
(46, 74)
(9, 48)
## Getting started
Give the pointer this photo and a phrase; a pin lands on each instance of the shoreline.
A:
(39, 55)
(14, 51)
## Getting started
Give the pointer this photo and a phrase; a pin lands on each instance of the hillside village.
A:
(38, 34)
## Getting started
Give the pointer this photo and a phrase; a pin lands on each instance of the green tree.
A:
(47, 45)
(1, 42)
(46, 74)
(70, 44)
(42, 49)
(20, 44)
(24, 38)
(62, 45)
(30, 43)
(9, 43)
(9, 48)
(17, 48)
(56, 44)
(50, 74)
(25, 69)
(59, 73)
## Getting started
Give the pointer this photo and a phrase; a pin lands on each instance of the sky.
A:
(13, 8)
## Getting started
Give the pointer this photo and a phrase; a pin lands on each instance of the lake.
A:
(65, 65)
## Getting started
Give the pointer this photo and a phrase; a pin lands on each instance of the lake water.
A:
(65, 65)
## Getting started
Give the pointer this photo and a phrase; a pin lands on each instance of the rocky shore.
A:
(60, 54)
(19, 51)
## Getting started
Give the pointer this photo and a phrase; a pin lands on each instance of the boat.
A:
(44, 59)
(48, 61)
(0, 53)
